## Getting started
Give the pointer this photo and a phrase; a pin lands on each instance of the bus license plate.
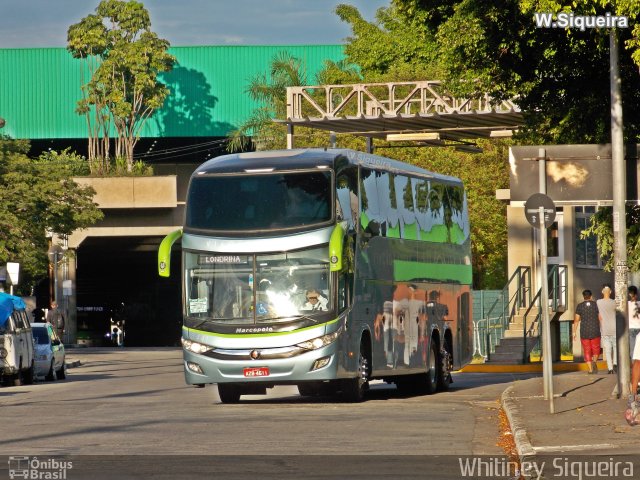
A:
(256, 372)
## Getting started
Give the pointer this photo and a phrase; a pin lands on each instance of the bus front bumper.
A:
(313, 365)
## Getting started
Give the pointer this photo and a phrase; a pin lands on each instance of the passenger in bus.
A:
(315, 301)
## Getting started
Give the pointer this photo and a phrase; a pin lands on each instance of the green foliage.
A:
(396, 47)
(502, 53)
(124, 58)
(270, 92)
(601, 226)
(36, 196)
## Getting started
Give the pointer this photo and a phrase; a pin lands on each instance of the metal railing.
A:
(393, 98)
(557, 302)
(489, 330)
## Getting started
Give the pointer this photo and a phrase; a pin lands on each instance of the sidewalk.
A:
(588, 419)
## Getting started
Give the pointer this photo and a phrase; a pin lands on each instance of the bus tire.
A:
(228, 393)
(62, 373)
(308, 389)
(444, 373)
(353, 389)
(433, 369)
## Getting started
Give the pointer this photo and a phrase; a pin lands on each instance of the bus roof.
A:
(308, 158)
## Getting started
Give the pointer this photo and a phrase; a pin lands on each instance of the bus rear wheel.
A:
(433, 369)
(229, 393)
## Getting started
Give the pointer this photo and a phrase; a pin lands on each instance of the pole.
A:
(547, 356)
(619, 218)
(55, 277)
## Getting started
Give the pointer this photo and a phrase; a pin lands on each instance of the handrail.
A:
(520, 298)
(559, 296)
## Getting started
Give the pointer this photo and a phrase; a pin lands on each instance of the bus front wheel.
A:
(228, 393)
(353, 389)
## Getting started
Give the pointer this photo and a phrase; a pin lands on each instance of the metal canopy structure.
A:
(421, 112)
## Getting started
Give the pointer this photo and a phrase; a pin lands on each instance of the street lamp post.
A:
(55, 255)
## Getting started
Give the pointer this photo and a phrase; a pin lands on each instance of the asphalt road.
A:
(131, 406)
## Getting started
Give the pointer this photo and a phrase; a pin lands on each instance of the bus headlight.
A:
(320, 342)
(195, 347)
(3, 352)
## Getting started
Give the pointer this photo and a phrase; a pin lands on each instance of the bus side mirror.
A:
(164, 253)
(336, 243)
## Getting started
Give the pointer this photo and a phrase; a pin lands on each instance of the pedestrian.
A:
(634, 316)
(607, 309)
(588, 318)
(56, 318)
(632, 413)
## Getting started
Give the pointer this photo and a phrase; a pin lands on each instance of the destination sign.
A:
(222, 259)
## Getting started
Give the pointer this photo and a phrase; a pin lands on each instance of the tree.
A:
(601, 227)
(270, 92)
(36, 196)
(124, 58)
(560, 78)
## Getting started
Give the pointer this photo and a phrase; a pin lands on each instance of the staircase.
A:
(515, 346)
(511, 338)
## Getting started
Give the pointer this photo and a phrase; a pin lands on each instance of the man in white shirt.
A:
(607, 309)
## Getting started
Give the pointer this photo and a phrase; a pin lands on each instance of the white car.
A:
(16, 342)
(49, 352)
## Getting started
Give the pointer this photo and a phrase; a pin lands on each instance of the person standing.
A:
(634, 317)
(607, 309)
(588, 318)
(56, 318)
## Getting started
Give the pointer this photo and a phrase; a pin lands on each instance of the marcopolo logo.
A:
(36, 469)
(581, 22)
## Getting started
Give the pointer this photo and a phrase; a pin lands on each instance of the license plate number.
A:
(256, 372)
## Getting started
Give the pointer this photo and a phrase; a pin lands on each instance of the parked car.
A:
(49, 352)
(16, 342)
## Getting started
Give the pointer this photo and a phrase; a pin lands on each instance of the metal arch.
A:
(375, 110)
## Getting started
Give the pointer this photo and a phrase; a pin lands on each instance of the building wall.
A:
(40, 88)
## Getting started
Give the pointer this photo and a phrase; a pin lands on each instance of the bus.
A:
(325, 269)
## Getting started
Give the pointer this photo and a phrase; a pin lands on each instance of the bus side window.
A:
(347, 193)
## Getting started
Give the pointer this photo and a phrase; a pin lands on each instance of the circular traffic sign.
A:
(532, 210)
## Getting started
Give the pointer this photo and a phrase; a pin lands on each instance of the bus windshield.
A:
(259, 202)
(248, 289)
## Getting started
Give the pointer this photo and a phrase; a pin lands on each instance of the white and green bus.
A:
(324, 269)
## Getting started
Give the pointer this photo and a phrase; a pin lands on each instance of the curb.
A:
(523, 445)
(528, 368)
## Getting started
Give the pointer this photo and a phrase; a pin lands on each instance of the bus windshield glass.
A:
(259, 201)
(249, 289)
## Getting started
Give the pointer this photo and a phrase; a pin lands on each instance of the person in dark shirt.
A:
(588, 319)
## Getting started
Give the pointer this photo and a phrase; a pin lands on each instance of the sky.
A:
(44, 23)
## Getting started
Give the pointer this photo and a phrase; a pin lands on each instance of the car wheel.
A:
(51, 376)
(17, 379)
(28, 375)
(62, 373)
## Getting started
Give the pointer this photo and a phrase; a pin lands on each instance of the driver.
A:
(315, 301)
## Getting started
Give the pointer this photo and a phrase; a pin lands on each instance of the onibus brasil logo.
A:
(33, 468)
